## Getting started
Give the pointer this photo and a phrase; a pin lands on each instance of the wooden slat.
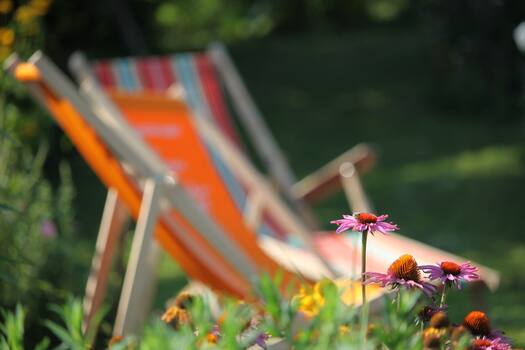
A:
(113, 221)
(326, 181)
(140, 279)
(353, 188)
(253, 210)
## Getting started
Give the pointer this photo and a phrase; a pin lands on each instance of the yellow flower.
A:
(310, 300)
(6, 6)
(25, 14)
(39, 7)
(7, 36)
(4, 52)
(344, 329)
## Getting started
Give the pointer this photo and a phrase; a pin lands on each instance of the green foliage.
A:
(36, 216)
(197, 22)
(12, 331)
(70, 334)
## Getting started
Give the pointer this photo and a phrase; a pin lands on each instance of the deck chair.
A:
(198, 77)
(336, 250)
(150, 192)
(204, 79)
(52, 79)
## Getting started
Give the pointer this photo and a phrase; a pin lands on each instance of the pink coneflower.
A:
(404, 272)
(451, 273)
(364, 222)
(489, 344)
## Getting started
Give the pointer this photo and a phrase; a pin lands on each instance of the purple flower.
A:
(451, 273)
(261, 339)
(489, 344)
(48, 228)
(361, 222)
(404, 272)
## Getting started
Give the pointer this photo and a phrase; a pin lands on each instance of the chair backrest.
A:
(194, 76)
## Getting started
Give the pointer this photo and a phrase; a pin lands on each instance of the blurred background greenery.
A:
(436, 85)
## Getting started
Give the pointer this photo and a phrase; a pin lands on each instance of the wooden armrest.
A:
(325, 180)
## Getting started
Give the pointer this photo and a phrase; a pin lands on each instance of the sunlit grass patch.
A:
(491, 161)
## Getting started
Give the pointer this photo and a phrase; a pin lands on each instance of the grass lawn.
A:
(451, 179)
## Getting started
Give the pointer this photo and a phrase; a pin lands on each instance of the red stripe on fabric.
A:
(213, 95)
(144, 73)
(167, 72)
(104, 74)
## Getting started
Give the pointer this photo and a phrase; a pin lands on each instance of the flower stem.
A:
(363, 266)
(364, 306)
(398, 301)
(443, 295)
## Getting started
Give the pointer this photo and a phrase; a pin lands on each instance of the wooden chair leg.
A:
(114, 219)
(139, 282)
(353, 188)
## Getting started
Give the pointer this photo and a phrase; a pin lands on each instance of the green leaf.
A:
(43, 344)
(63, 335)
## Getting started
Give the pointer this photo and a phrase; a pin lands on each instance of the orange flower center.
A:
(439, 320)
(451, 268)
(366, 218)
(405, 267)
(477, 323)
(480, 343)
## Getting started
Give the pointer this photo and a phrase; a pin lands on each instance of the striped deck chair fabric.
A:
(193, 72)
(194, 76)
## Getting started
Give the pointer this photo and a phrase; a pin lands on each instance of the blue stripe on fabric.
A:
(119, 80)
(125, 76)
(186, 73)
